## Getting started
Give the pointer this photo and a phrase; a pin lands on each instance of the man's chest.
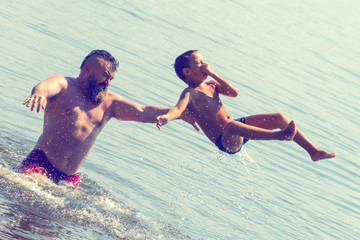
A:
(77, 118)
(84, 117)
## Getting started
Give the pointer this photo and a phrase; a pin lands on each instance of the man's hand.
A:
(36, 98)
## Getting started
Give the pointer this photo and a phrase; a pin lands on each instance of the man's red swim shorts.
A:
(37, 162)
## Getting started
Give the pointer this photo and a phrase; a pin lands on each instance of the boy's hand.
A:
(206, 69)
(161, 121)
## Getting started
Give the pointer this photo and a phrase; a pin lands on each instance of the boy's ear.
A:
(186, 71)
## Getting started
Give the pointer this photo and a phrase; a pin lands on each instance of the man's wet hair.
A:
(102, 54)
(182, 62)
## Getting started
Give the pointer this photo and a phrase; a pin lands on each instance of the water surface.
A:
(300, 58)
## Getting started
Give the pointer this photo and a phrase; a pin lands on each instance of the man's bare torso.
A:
(210, 113)
(71, 125)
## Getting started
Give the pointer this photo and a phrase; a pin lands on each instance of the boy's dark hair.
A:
(182, 62)
(102, 54)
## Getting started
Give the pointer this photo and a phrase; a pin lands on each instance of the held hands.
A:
(161, 121)
(36, 98)
(186, 116)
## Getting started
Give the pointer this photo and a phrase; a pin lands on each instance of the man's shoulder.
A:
(112, 96)
(70, 80)
(69, 85)
(64, 82)
(61, 78)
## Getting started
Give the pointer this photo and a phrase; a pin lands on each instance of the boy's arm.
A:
(44, 91)
(224, 86)
(176, 111)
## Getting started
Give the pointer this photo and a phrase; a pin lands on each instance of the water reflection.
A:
(28, 223)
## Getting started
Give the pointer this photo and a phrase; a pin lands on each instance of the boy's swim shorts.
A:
(219, 140)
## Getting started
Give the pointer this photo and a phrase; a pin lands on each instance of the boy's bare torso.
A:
(71, 125)
(210, 113)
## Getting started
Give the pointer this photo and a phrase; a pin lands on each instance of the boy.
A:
(202, 100)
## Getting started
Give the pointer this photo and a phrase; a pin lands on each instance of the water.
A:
(300, 58)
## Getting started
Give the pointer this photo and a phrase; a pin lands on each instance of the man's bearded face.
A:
(95, 91)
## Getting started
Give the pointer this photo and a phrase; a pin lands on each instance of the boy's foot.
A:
(289, 132)
(321, 154)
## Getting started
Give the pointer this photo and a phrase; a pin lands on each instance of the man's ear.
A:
(87, 69)
(186, 71)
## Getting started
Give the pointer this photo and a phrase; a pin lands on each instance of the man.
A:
(76, 110)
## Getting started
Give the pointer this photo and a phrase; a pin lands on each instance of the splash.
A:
(40, 200)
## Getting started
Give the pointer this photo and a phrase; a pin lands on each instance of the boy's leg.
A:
(279, 121)
(234, 133)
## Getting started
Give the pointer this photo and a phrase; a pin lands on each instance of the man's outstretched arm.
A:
(125, 110)
(45, 90)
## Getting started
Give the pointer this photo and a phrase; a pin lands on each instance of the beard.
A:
(95, 92)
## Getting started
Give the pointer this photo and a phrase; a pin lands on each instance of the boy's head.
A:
(182, 62)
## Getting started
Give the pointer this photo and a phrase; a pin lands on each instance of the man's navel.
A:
(67, 111)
